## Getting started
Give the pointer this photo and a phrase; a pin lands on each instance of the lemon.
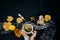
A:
(47, 18)
(19, 20)
(12, 27)
(9, 18)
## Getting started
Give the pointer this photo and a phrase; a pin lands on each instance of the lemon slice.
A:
(6, 25)
(47, 18)
(19, 20)
(9, 18)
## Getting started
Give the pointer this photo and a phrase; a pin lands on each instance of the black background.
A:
(30, 8)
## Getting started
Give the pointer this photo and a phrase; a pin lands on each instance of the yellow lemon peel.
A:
(12, 27)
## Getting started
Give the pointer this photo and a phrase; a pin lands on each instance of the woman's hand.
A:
(41, 20)
(27, 37)
(24, 34)
(34, 35)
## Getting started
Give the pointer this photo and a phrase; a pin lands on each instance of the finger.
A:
(35, 32)
(23, 33)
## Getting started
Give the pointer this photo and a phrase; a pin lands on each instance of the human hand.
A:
(34, 35)
(24, 34)
(41, 20)
(26, 37)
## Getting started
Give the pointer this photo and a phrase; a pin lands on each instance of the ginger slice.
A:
(17, 32)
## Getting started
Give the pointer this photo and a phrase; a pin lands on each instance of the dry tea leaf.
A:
(32, 18)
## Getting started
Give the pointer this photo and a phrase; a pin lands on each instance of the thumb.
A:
(24, 34)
